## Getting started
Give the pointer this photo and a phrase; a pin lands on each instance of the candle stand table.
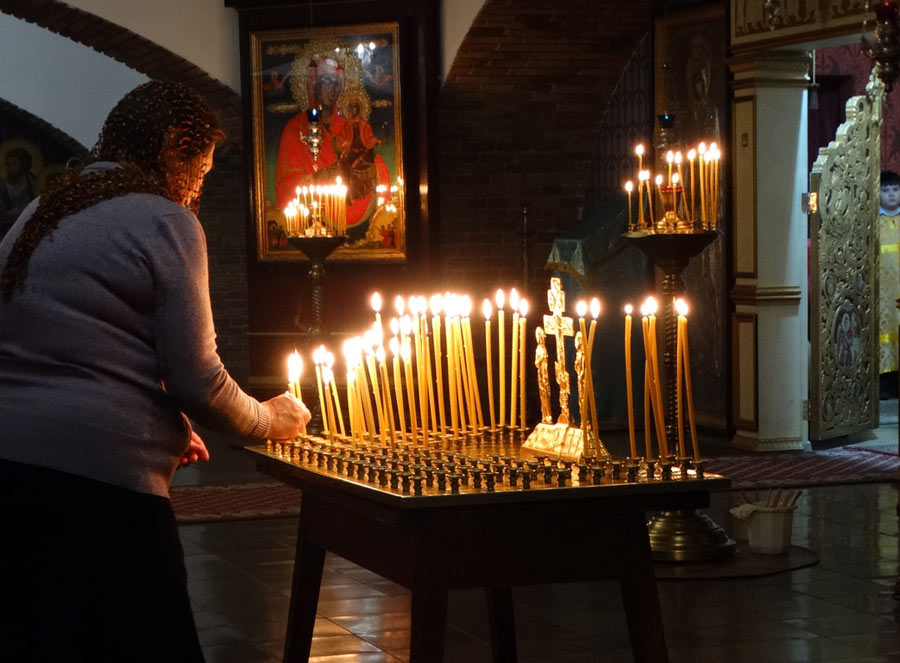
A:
(477, 515)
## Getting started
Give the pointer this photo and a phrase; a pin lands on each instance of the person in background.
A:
(107, 347)
(18, 189)
(889, 282)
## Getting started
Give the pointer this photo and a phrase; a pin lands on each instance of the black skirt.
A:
(89, 572)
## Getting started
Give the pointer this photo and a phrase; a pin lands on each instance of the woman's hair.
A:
(155, 133)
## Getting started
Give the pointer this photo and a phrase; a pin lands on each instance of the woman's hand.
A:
(196, 451)
(289, 417)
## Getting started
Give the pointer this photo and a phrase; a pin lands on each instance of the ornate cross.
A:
(559, 326)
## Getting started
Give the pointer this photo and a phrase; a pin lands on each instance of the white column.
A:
(769, 341)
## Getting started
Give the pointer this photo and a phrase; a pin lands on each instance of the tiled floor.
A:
(838, 610)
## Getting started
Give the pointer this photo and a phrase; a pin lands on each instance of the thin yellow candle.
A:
(429, 376)
(450, 303)
(351, 406)
(328, 379)
(386, 390)
(500, 300)
(629, 187)
(406, 353)
(581, 310)
(676, 179)
(654, 367)
(329, 363)
(589, 361)
(514, 372)
(629, 395)
(649, 190)
(466, 415)
(473, 374)
(692, 155)
(294, 369)
(689, 391)
(679, 408)
(639, 152)
(645, 326)
(659, 195)
(487, 309)
(670, 159)
(680, 180)
(523, 316)
(640, 199)
(376, 390)
(437, 303)
(398, 387)
(701, 158)
(318, 358)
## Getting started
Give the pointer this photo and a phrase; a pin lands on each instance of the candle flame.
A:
(400, 305)
(395, 346)
(670, 156)
(405, 325)
(675, 178)
(681, 307)
(692, 155)
(327, 375)
(701, 148)
(376, 302)
(523, 308)
(500, 298)
(466, 306)
(514, 299)
(437, 304)
(487, 309)
(644, 175)
(595, 308)
(659, 180)
(294, 366)
(678, 158)
(639, 149)
(581, 308)
(405, 351)
(649, 306)
(379, 354)
(628, 309)
(395, 326)
(629, 186)
(329, 358)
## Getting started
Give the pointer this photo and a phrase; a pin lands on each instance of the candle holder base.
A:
(317, 249)
(687, 536)
(563, 441)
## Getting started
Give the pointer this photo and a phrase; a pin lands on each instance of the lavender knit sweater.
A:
(110, 341)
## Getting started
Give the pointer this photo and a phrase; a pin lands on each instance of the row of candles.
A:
(653, 397)
(417, 387)
(663, 205)
(317, 210)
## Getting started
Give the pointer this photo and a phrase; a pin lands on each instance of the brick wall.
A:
(518, 120)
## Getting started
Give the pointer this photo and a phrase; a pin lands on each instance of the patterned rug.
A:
(245, 501)
(238, 501)
(809, 468)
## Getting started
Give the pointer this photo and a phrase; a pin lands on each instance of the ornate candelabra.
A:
(681, 220)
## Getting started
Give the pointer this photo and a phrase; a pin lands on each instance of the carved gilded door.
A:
(843, 321)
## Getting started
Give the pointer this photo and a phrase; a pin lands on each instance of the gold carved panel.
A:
(781, 22)
(843, 273)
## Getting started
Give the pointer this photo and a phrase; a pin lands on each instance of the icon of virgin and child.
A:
(348, 146)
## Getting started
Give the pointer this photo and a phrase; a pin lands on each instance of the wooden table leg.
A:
(502, 623)
(640, 597)
(308, 565)
(428, 624)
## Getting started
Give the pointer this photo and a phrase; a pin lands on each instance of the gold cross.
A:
(559, 326)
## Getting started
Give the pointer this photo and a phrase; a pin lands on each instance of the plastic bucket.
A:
(769, 530)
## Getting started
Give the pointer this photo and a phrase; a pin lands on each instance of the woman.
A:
(107, 347)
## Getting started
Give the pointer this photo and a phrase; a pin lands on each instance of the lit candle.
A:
(487, 309)
(629, 395)
(474, 394)
(376, 390)
(376, 306)
(640, 198)
(662, 211)
(645, 328)
(514, 377)
(676, 180)
(406, 353)
(329, 364)
(654, 368)
(294, 369)
(398, 387)
(581, 310)
(500, 299)
(685, 348)
(437, 303)
(400, 305)
(639, 151)
(629, 187)
(649, 191)
(523, 314)
(701, 157)
(327, 378)
(452, 383)
(385, 390)
(680, 181)
(589, 352)
(318, 358)
(692, 155)
(670, 159)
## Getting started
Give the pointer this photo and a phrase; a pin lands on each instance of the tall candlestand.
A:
(317, 249)
(682, 535)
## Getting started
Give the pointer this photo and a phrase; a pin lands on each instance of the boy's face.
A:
(890, 196)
